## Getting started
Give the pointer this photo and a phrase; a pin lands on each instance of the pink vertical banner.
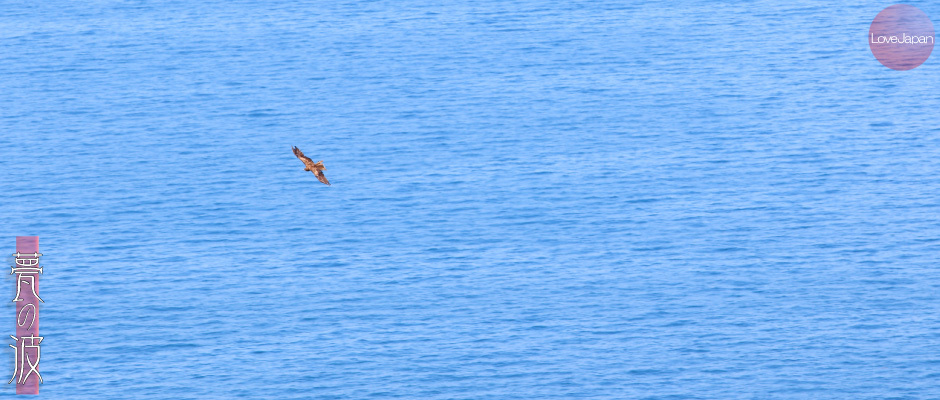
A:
(27, 339)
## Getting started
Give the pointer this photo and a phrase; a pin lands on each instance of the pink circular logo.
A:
(901, 37)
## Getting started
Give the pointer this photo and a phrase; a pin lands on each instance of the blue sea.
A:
(530, 200)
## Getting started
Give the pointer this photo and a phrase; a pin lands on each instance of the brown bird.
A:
(316, 167)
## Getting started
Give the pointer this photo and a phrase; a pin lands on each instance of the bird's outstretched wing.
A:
(306, 160)
(322, 178)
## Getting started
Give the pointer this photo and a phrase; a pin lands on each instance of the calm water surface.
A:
(530, 200)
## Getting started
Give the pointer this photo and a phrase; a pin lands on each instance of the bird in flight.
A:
(316, 167)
